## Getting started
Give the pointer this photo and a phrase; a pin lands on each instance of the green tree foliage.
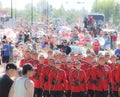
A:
(116, 14)
(0, 4)
(70, 16)
(109, 8)
(43, 7)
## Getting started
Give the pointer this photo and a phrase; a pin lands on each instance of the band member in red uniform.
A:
(68, 70)
(102, 78)
(90, 84)
(26, 58)
(63, 61)
(118, 75)
(113, 60)
(30, 58)
(115, 86)
(35, 59)
(72, 56)
(78, 81)
(107, 58)
(44, 76)
(57, 80)
(35, 78)
(49, 53)
(38, 90)
(57, 55)
(86, 63)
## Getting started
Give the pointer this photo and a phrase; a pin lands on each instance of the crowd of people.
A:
(41, 71)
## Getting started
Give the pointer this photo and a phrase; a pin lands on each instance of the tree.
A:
(105, 7)
(116, 13)
(43, 7)
(70, 16)
(0, 4)
(59, 13)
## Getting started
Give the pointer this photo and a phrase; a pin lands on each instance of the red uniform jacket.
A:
(36, 76)
(112, 65)
(96, 46)
(68, 86)
(114, 82)
(63, 66)
(24, 61)
(45, 77)
(90, 77)
(103, 76)
(35, 63)
(85, 66)
(78, 80)
(118, 75)
(46, 61)
(57, 80)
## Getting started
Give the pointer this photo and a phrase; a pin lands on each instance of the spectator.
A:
(23, 86)
(26, 36)
(88, 39)
(11, 51)
(6, 81)
(5, 52)
(65, 48)
(96, 46)
(20, 37)
(114, 40)
(85, 22)
(4, 37)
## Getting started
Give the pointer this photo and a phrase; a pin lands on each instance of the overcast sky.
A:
(68, 4)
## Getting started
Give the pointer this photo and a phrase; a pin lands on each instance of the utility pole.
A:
(96, 6)
(47, 13)
(31, 12)
(11, 13)
(11, 9)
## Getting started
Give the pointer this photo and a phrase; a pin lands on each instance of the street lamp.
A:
(47, 13)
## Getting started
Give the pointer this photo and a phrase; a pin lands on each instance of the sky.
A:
(68, 4)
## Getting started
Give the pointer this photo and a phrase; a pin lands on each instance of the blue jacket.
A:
(117, 51)
(7, 51)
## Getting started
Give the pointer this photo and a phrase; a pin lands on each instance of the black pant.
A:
(101, 93)
(57, 93)
(68, 93)
(111, 93)
(115, 93)
(78, 94)
(96, 52)
(5, 59)
(38, 92)
(90, 93)
(46, 93)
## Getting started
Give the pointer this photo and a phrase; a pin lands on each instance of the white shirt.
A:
(19, 87)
